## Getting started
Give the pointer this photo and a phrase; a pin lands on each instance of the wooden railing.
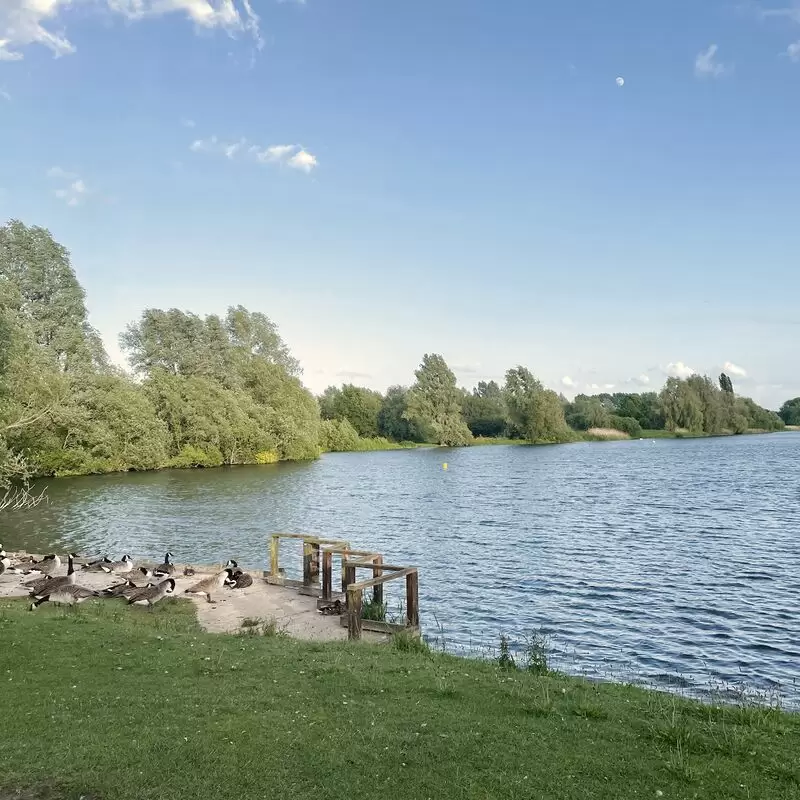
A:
(352, 590)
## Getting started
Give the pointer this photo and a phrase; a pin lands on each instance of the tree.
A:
(45, 294)
(725, 383)
(360, 407)
(484, 411)
(533, 412)
(434, 403)
(587, 412)
(392, 420)
(683, 409)
(790, 412)
(255, 334)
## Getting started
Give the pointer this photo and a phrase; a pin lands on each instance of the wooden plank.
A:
(354, 611)
(391, 576)
(376, 626)
(412, 599)
(385, 567)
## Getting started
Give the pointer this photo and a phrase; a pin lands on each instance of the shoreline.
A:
(583, 437)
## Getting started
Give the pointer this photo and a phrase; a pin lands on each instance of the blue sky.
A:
(389, 178)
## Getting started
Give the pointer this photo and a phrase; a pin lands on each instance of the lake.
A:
(673, 563)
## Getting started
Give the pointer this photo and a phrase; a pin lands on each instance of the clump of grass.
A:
(259, 626)
(374, 611)
(410, 642)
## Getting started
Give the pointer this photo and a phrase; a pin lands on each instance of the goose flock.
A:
(142, 585)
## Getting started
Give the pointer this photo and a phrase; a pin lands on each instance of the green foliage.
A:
(484, 410)
(627, 425)
(191, 457)
(434, 403)
(373, 611)
(725, 383)
(354, 404)
(790, 412)
(337, 436)
(533, 412)
(698, 405)
(393, 422)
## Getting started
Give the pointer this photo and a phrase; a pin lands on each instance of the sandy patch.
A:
(294, 613)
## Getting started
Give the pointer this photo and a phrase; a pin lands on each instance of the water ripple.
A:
(673, 563)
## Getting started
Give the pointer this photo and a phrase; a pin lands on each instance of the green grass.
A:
(106, 701)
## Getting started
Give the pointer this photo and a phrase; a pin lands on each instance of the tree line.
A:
(213, 390)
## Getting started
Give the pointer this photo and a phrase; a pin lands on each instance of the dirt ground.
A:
(294, 613)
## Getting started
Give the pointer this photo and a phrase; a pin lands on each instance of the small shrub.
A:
(505, 659)
(535, 654)
(192, 457)
(267, 457)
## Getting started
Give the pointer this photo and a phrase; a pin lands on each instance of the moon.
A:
(620, 82)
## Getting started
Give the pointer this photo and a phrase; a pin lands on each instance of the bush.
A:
(337, 436)
(191, 457)
(627, 425)
(267, 457)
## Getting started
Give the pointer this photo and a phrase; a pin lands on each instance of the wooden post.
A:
(345, 579)
(377, 590)
(354, 610)
(327, 574)
(412, 599)
(315, 563)
(307, 557)
(274, 548)
(348, 576)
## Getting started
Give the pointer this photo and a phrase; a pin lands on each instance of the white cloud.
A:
(678, 369)
(303, 160)
(706, 65)
(791, 12)
(40, 22)
(278, 152)
(188, 123)
(5, 95)
(608, 386)
(74, 189)
(793, 51)
(642, 380)
(567, 382)
(290, 155)
(620, 81)
(733, 369)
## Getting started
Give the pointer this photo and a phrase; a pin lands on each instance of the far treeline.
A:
(207, 391)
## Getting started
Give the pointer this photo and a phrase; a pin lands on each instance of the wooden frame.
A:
(352, 590)
(311, 550)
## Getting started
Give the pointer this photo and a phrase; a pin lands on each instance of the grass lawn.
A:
(111, 702)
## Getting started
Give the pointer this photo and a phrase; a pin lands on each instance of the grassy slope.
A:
(111, 702)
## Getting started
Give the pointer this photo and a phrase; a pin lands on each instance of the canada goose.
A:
(124, 565)
(239, 580)
(137, 576)
(188, 571)
(167, 568)
(68, 595)
(210, 585)
(127, 587)
(47, 566)
(151, 595)
(47, 584)
(94, 566)
(231, 564)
